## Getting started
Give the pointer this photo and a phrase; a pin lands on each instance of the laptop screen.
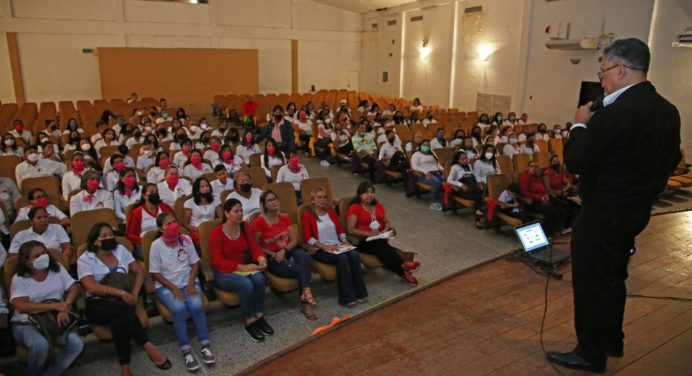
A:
(532, 236)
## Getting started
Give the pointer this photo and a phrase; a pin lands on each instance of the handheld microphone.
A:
(597, 103)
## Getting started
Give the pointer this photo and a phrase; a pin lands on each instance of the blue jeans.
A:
(29, 336)
(297, 265)
(435, 183)
(180, 308)
(250, 289)
(349, 274)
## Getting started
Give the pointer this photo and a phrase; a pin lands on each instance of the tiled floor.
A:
(446, 244)
(487, 321)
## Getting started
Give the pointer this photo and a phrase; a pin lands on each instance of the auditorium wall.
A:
(52, 33)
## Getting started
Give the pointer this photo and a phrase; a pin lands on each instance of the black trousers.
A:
(122, 320)
(475, 195)
(322, 148)
(552, 217)
(601, 244)
(388, 255)
(356, 160)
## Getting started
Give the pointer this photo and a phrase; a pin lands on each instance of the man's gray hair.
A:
(632, 51)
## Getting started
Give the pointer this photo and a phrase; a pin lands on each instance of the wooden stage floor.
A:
(487, 320)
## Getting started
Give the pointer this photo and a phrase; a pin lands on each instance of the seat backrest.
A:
(147, 239)
(84, 220)
(259, 178)
(542, 145)
(8, 166)
(543, 158)
(521, 161)
(344, 204)
(204, 231)
(505, 164)
(496, 184)
(307, 185)
(255, 160)
(287, 198)
(224, 195)
(49, 184)
(179, 209)
(444, 155)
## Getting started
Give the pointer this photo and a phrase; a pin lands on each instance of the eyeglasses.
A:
(600, 74)
(273, 199)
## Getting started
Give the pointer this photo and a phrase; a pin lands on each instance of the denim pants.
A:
(349, 274)
(180, 308)
(435, 183)
(70, 343)
(297, 265)
(249, 288)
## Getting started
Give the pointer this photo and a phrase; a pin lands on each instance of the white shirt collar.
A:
(612, 97)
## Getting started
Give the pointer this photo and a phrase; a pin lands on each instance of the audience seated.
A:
(425, 163)
(51, 235)
(174, 265)
(463, 181)
(203, 206)
(92, 196)
(534, 193)
(37, 197)
(485, 166)
(238, 261)
(323, 230)
(272, 156)
(173, 187)
(40, 287)
(293, 172)
(279, 241)
(366, 218)
(114, 306)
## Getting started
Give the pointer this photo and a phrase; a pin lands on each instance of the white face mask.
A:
(9, 142)
(42, 262)
(86, 147)
(204, 125)
(146, 153)
(33, 157)
(328, 121)
(488, 155)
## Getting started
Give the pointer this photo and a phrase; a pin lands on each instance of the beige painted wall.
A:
(52, 33)
(6, 83)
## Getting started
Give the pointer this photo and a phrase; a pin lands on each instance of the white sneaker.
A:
(190, 361)
(324, 163)
(207, 356)
(436, 206)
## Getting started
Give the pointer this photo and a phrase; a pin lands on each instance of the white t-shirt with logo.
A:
(53, 287)
(175, 263)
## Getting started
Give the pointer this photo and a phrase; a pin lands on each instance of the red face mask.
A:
(271, 150)
(42, 202)
(93, 185)
(172, 180)
(19, 128)
(293, 162)
(196, 160)
(186, 150)
(216, 147)
(118, 166)
(248, 138)
(171, 232)
(302, 116)
(78, 165)
(164, 163)
(226, 155)
(129, 182)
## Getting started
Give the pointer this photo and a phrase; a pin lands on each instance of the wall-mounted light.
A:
(484, 50)
(424, 50)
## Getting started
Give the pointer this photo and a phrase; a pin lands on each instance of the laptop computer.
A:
(537, 246)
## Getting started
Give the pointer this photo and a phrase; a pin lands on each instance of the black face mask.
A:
(109, 244)
(207, 196)
(75, 139)
(205, 140)
(154, 198)
(246, 187)
(392, 140)
(277, 117)
(556, 165)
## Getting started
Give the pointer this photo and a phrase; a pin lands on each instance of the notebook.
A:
(537, 246)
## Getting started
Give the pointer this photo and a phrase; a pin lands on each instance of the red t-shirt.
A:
(227, 254)
(275, 236)
(558, 180)
(249, 108)
(532, 186)
(365, 217)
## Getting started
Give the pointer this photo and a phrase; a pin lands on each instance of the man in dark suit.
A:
(620, 180)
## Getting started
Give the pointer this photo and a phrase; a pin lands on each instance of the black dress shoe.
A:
(263, 325)
(254, 332)
(616, 352)
(574, 361)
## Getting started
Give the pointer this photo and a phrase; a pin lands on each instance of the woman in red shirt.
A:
(143, 217)
(365, 218)
(558, 182)
(238, 262)
(537, 200)
(322, 229)
(279, 240)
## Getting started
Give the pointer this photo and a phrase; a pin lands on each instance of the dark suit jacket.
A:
(288, 144)
(626, 154)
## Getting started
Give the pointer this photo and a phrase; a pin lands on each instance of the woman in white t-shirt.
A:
(201, 207)
(231, 162)
(112, 306)
(127, 192)
(196, 167)
(293, 172)
(174, 264)
(248, 147)
(109, 139)
(271, 157)
(157, 172)
(173, 187)
(249, 197)
(424, 162)
(39, 278)
(463, 181)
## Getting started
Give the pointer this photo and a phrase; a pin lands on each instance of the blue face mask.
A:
(512, 141)
(440, 136)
